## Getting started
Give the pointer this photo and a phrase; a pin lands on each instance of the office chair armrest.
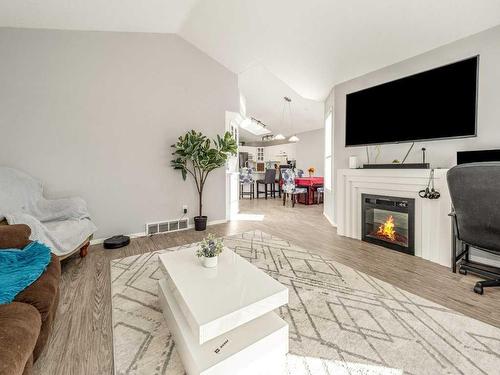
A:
(453, 215)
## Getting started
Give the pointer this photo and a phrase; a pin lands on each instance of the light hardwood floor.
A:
(81, 342)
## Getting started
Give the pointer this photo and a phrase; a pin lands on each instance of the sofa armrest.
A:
(14, 236)
(19, 329)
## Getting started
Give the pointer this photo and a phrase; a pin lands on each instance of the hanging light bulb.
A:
(279, 137)
(293, 138)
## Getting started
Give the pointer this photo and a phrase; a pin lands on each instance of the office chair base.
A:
(478, 289)
(480, 285)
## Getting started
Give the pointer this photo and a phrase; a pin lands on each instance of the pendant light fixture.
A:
(279, 137)
(288, 105)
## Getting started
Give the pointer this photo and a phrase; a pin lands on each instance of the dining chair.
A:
(321, 192)
(280, 177)
(269, 179)
(246, 179)
(289, 188)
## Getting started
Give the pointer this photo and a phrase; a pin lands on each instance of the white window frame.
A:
(328, 150)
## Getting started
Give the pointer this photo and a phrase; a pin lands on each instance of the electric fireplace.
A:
(389, 222)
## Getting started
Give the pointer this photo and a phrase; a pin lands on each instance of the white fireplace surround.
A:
(432, 223)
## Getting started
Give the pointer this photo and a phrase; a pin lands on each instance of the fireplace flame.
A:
(387, 229)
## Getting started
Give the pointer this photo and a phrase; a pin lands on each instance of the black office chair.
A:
(475, 194)
(269, 179)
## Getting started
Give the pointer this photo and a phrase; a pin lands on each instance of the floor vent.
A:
(167, 226)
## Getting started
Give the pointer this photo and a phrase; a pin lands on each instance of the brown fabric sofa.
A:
(26, 323)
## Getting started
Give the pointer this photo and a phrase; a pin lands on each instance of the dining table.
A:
(311, 183)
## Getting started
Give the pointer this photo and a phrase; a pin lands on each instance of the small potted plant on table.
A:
(209, 251)
(195, 155)
(311, 171)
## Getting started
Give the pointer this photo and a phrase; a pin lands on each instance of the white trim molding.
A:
(332, 223)
(432, 224)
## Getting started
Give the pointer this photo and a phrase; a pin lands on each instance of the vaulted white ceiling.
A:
(298, 48)
(263, 93)
(313, 44)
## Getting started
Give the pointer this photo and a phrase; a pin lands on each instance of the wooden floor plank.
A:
(81, 342)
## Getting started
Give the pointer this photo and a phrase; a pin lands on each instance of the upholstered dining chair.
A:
(289, 188)
(246, 179)
(269, 180)
(321, 192)
(474, 191)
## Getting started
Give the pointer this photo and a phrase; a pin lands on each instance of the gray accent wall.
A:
(441, 154)
(94, 114)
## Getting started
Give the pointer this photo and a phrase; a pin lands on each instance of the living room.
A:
(126, 246)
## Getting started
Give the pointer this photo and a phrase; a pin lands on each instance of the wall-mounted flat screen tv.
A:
(435, 104)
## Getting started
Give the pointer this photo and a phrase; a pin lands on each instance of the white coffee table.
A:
(222, 319)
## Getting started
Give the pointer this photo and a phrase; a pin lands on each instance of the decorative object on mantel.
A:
(209, 250)
(396, 163)
(311, 171)
(429, 192)
(353, 162)
(378, 148)
(194, 154)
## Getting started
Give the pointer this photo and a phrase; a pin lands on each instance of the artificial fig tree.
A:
(197, 155)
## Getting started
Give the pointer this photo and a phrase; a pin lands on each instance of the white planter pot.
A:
(209, 262)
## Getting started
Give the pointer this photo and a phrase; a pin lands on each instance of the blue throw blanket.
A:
(19, 268)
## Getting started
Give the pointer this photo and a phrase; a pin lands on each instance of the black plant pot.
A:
(200, 223)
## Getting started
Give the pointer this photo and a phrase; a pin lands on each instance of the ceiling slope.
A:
(312, 45)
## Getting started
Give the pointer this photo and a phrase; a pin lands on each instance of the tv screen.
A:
(439, 103)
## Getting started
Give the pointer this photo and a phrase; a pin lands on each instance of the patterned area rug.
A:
(341, 321)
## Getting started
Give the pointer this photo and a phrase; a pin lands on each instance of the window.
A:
(328, 152)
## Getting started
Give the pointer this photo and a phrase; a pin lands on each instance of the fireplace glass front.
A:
(389, 222)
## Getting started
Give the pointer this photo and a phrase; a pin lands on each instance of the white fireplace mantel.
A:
(432, 224)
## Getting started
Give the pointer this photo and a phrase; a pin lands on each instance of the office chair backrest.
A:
(475, 194)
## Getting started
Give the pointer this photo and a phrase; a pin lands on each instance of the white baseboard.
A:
(99, 241)
(332, 223)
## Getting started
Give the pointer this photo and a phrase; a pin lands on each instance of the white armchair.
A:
(62, 224)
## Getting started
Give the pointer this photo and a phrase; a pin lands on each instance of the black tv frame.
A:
(422, 139)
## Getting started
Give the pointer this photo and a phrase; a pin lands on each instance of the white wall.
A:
(94, 114)
(273, 153)
(311, 151)
(439, 153)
